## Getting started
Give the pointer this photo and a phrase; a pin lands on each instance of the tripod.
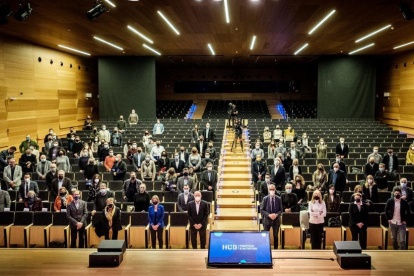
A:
(237, 138)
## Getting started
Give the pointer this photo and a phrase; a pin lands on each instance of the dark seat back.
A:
(207, 196)
(171, 196)
(23, 218)
(291, 219)
(125, 218)
(59, 219)
(6, 218)
(178, 219)
(331, 215)
(42, 218)
(374, 220)
(139, 219)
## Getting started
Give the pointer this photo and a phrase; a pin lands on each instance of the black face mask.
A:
(155, 202)
(110, 205)
(185, 174)
(62, 194)
(60, 177)
(358, 200)
(397, 196)
(316, 197)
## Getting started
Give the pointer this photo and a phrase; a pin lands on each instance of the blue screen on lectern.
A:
(242, 248)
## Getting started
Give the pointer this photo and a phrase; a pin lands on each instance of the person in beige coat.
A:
(148, 169)
(321, 150)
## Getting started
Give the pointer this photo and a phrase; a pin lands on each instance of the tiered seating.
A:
(247, 109)
(299, 109)
(173, 109)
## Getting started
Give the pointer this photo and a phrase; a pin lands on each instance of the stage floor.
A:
(190, 262)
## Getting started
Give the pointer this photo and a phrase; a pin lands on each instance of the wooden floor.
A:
(190, 262)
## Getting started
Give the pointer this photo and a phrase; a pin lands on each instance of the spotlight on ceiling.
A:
(98, 9)
(5, 12)
(406, 10)
(24, 11)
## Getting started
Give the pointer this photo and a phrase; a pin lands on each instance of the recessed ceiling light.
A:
(109, 43)
(141, 35)
(168, 22)
(226, 11)
(403, 45)
(75, 50)
(149, 48)
(211, 49)
(110, 3)
(321, 22)
(362, 48)
(301, 48)
(253, 41)
(371, 34)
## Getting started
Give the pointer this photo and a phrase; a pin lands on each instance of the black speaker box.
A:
(112, 246)
(105, 259)
(343, 247)
(354, 261)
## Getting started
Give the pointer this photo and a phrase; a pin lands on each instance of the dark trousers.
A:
(74, 235)
(114, 235)
(275, 228)
(194, 238)
(316, 232)
(154, 235)
(362, 233)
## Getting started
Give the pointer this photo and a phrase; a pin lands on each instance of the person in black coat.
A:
(111, 220)
(406, 192)
(278, 175)
(370, 189)
(386, 160)
(208, 133)
(264, 186)
(381, 178)
(371, 168)
(183, 155)
(289, 200)
(28, 161)
(119, 168)
(342, 148)
(358, 220)
(163, 162)
(101, 197)
(398, 228)
(337, 177)
(258, 169)
(342, 165)
(90, 170)
(177, 164)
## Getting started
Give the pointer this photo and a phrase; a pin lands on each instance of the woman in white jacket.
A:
(317, 214)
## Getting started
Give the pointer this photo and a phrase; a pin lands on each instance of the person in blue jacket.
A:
(158, 128)
(156, 221)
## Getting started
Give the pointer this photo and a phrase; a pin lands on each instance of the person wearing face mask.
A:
(148, 169)
(264, 186)
(51, 175)
(163, 162)
(376, 155)
(95, 144)
(342, 148)
(267, 135)
(184, 198)
(5, 156)
(342, 165)
(195, 134)
(320, 178)
(101, 197)
(137, 159)
(358, 220)
(49, 143)
(32, 202)
(47, 135)
(133, 150)
(71, 132)
(294, 152)
(54, 151)
(62, 161)
(278, 174)
(207, 159)
(358, 190)
(24, 145)
(116, 138)
(209, 180)
(390, 161)
(257, 151)
(28, 161)
(289, 199)
(410, 155)
(87, 125)
(77, 147)
(301, 148)
(212, 150)
(198, 212)
(184, 156)
(370, 189)
(317, 214)
(104, 134)
(63, 200)
(295, 169)
(332, 200)
(258, 169)
(142, 199)
(77, 213)
(91, 169)
(280, 149)
(271, 210)
(201, 146)
(299, 189)
(338, 178)
(306, 143)
(109, 160)
(119, 168)
(94, 188)
(170, 183)
(158, 128)
(103, 153)
(406, 192)
(381, 178)
(185, 179)
(194, 160)
(208, 133)
(156, 151)
(127, 147)
(71, 142)
(133, 118)
(321, 150)
(12, 175)
(287, 163)
(94, 133)
(26, 186)
(289, 134)
(111, 221)
(121, 125)
(271, 150)
(277, 133)
(397, 212)
(146, 141)
(60, 181)
(55, 138)
(371, 167)
(83, 160)
(177, 164)
(156, 222)
(4, 200)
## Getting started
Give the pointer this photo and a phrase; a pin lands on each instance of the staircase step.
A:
(236, 225)
(235, 202)
(235, 213)
(236, 193)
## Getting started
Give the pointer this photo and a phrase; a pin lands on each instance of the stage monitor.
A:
(239, 250)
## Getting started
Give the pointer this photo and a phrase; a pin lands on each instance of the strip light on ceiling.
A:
(301, 48)
(211, 49)
(360, 49)
(322, 21)
(110, 3)
(149, 48)
(403, 45)
(74, 50)
(141, 35)
(169, 23)
(109, 43)
(253, 41)
(373, 33)
(226, 11)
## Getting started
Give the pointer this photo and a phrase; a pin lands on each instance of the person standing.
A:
(332, 200)
(397, 213)
(271, 210)
(133, 118)
(119, 168)
(158, 128)
(358, 220)
(111, 223)
(184, 198)
(197, 215)
(4, 200)
(142, 199)
(12, 175)
(317, 212)
(156, 222)
(76, 215)
(209, 179)
(131, 187)
(208, 133)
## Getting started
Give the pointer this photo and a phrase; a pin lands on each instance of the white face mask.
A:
(272, 193)
(331, 191)
(134, 146)
(104, 128)
(186, 191)
(257, 147)
(370, 181)
(321, 143)
(210, 168)
(96, 180)
(336, 169)
(267, 180)
(375, 151)
(197, 198)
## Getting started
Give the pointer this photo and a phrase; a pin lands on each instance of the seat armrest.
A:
(46, 234)
(26, 231)
(7, 235)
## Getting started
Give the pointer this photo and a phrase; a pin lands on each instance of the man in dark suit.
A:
(342, 148)
(137, 159)
(381, 178)
(51, 175)
(278, 175)
(358, 220)
(27, 186)
(5, 155)
(271, 210)
(177, 164)
(28, 161)
(258, 169)
(208, 133)
(397, 222)
(390, 161)
(101, 197)
(183, 155)
(206, 160)
(406, 192)
(184, 198)
(338, 178)
(197, 215)
(201, 146)
(76, 214)
(209, 179)
(342, 165)
(264, 186)
(371, 168)
(119, 168)
(61, 181)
